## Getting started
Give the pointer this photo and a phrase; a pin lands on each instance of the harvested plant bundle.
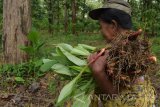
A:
(129, 57)
(71, 64)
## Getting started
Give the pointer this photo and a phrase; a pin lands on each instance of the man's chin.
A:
(107, 39)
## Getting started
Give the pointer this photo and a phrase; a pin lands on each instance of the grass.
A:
(72, 39)
(51, 40)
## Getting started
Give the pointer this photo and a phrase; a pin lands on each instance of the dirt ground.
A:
(34, 95)
(38, 95)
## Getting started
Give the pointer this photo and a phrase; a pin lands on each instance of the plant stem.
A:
(99, 54)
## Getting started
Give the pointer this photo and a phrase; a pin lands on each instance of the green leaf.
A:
(82, 49)
(61, 69)
(28, 49)
(19, 79)
(54, 54)
(81, 100)
(87, 85)
(39, 45)
(33, 36)
(79, 69)
(67, 90)
(46, 60)
(61, 59)
(73, 58)
(59, 52)
(48, 65)
(79, 52)
(65, 46)
(38, 63)
(87, 47)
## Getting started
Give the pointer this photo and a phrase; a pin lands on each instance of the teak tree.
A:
(74, 7)
(16, 26)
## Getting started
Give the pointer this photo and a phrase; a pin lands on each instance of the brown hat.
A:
(115, 4)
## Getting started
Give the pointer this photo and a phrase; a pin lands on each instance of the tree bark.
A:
(83, 13)
(58, 15)
(74, 17)
(16, 26)
(50, 15)
(147, 4)
(65, 17)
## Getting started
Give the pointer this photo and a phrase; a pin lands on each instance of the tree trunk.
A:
(147, 4)
(83, 13)
(58, 15)
(65, 17)
(16, 26)
(50, 15)
(74, 17)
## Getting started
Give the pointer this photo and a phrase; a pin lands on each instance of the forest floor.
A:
(42, 96)
(44, 91)
(34, 95)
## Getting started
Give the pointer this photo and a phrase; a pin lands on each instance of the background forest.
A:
(46, 23)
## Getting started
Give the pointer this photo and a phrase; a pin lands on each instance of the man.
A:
(115, 19)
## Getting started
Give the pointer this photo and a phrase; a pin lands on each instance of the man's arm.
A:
(104, 83)
(98, 69)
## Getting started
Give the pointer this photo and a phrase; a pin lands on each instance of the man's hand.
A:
(100, 64)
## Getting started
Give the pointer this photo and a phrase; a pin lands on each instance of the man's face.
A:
(107, 31)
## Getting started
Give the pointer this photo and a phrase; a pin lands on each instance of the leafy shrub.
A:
(22, 72)
(34, 48)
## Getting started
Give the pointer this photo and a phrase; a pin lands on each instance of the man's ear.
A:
(115, 25)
